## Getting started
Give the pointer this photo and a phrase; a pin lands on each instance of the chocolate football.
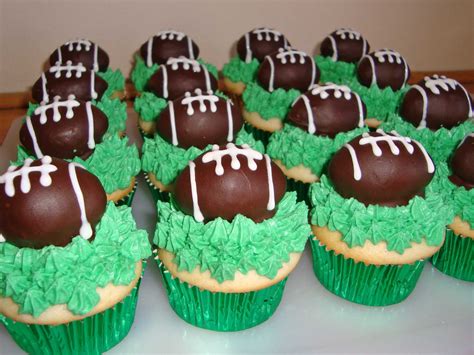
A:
(345, 45)
(179, 76)
(381, 168)
(326, 110)
(288, 69)
(168, 44)
(49, 202)
(199, 120)
(64, 129)
(81, 51)
(384, 68)
(435, 102)
(230, 180)
(259, 43)
(67, 79)
(462, 163)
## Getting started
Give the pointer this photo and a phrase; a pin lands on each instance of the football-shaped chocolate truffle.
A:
(345, 45)
(230, 180)
(168, 44)
(64, 129)
(259, 43)
(384, 68)
(326, 110)
(435, 102)
(81, 51)
(381, 169)
(288, 69)
(462, 163)
(49, 202)
(199, 120)
(67, 79)
(179, 76)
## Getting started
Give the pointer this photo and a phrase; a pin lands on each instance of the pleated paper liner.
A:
(92, 335)
(128, 199)
(258, 134)
(156, 193)
(456, 257)
(301, 189)
(220, 311)
(369, 285)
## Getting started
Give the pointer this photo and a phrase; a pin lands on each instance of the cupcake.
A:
(281, 78)
(374, 219)
(438, 112)
(169, 82)
(229, 238)
(320, 122)
(80, 131)
(71, 262)
(187, 127)
(341, 50)
(381, 82)
(92, 57)
(456, 257)
(252, 48)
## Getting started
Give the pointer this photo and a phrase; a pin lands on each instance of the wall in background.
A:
(431, 34)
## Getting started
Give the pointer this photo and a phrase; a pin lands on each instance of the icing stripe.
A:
(86, 230)
(90, 121)
(405, 65)
(190, 48)
(60, 55)
(429, 162)
(468, 100)
(313, 72)
(96, 63)
(248, 51)
(272, 74)
(422, 91)
(192, 176)
(271, 188)
(43, 85)
(149, 61)
(364, 47)
(174, 136)
(311, 125)
(355, 162)
(334, 48)
(208, 79)
(165, 81)
(2, 239)
(230, 121)
(361, 110)
(94, 94)
(32, 133)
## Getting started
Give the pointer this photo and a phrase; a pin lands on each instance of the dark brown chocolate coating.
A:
(350, 48)
(262, 42)
(394, 75)
(199, 129)
(169, 47)
(50, 215)
(462, 164)
(180, 81)
(447, 107)
(288, 74)
(331, 115)
(81, 54)
(241, 191)
(63, 86)
(67, 138)
(387, 180)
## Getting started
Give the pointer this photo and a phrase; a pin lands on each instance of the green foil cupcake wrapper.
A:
(156, 193)
(369, 285)
(128, 200)
(220, 311)
(456, 257)
(92, 335)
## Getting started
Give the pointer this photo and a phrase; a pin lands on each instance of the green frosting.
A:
(114, 79)
(149, 106)
(225, 248)
(274, 104)
(440, 143)
(166, 160)
(336, 72)
(141, 73)
(238, 70)
(379, 103)
(294, 146)
(37, 279)
(397, 226)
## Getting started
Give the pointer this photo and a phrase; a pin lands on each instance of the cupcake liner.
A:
(220, 311)
(258, 134)
(156, 193)
(370, 285)
(456, 257)
(301, 189)
(92, 335)
(128, 199)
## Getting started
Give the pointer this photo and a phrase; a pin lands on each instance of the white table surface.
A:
(437, 318)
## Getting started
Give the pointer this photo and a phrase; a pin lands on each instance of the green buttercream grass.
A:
(225, 248)
(166, 160)
(294, 146)
(268, 105)
(114, 79)
(397, 226)
(337, 72)
(238, 70)
(37, 279)
(440, 143)
(149, 106)
(141, 73)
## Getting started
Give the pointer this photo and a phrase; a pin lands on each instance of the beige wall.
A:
(432, 34)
